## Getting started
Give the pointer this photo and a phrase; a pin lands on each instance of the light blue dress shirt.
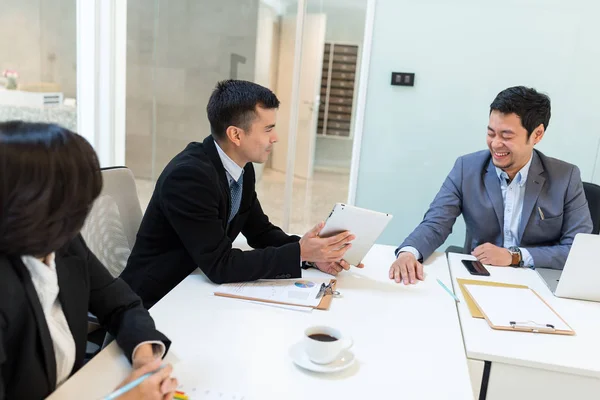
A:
(513, 195)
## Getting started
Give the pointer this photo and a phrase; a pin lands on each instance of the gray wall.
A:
(176, 52)
(38, 40)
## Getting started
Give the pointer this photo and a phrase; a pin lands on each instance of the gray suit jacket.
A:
(473, 189)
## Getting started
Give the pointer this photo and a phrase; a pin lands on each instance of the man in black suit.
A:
(206, 196)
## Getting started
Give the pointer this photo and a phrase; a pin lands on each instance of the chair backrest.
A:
(114, 220)
(592, 194)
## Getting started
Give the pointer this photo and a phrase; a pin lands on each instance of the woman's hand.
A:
(143, 355)
(158, 386)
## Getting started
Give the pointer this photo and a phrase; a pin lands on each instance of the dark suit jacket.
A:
(473, 189)
(27, 363)
(185, 227)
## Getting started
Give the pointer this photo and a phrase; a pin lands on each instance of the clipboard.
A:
(523, 310)
(326, 293)
(473, 309)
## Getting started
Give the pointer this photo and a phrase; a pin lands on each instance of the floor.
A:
(312, 200)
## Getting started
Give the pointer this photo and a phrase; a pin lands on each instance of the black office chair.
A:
(592, 194)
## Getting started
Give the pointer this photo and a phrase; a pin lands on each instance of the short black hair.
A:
(233, 103)
(531, 106)
(49, 179)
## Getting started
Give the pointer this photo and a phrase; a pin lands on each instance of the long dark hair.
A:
(49, 178)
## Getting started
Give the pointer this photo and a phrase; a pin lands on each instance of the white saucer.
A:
(298, 355)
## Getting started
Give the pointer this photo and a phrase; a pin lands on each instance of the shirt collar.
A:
(234, 170)
(521, 176)
(44, 279)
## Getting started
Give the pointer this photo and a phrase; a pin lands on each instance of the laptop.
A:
(580, 278)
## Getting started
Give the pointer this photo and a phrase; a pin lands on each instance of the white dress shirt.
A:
(45, 281)
(513, 195)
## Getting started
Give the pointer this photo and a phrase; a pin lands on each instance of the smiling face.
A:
(510, 145)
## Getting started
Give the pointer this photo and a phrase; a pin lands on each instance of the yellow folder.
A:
(473, 309)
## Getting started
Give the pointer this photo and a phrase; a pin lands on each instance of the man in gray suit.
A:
(521, 208)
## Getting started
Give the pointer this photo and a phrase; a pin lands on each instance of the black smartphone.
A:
(475, 268)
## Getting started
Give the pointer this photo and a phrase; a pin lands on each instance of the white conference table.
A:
(525, 365)
(407, 341)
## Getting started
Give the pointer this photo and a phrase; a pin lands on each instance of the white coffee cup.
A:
(326, 347)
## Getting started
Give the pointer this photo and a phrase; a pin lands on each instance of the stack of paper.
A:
(296, 292)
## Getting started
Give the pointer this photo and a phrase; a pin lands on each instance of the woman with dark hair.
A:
(49, 279)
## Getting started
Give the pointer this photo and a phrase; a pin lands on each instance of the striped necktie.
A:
(235, 189)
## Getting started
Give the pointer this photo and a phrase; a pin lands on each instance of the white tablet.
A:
(366, 225)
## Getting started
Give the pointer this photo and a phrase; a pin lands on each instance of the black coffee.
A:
(321, 337)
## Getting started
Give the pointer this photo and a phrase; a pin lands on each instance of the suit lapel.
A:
(72, 291)
(248, 187)
(43, 331)
(535, 182)
(211, 151)
(492, 186)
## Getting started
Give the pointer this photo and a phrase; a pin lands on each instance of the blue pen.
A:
(130, 385)
(449, 292)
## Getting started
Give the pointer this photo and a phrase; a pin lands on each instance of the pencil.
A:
(130, 385)
(449, 292)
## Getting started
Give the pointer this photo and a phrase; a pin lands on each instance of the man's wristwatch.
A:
(517, 257)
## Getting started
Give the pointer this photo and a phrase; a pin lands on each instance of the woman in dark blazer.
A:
(49, 279)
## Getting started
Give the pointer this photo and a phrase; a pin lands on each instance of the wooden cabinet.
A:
(337, 90)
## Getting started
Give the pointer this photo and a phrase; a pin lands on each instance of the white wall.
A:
(267, 55)
(463, 53)
(266, 40)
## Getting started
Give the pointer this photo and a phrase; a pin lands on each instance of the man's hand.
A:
(335, 268)
(490, 254)
(332, 249)
(407, 269)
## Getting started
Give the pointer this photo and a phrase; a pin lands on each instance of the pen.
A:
(130, 385)
(449, 292)
(541, 213)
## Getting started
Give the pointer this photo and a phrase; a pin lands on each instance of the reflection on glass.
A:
(332, 42)
(38, 78)
(176, 53)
